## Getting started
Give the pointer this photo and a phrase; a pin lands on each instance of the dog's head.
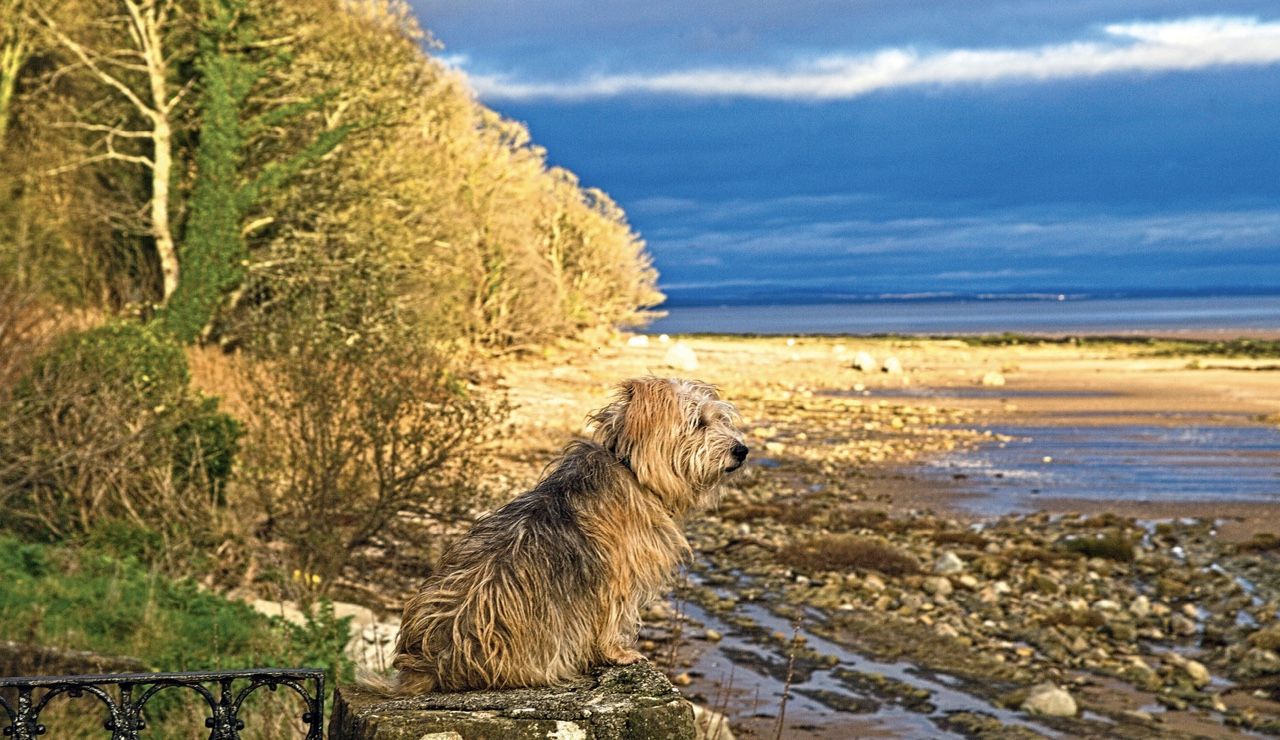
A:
(676, 436)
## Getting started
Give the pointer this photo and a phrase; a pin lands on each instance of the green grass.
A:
(84, 600)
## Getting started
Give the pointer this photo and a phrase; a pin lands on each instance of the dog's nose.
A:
(739, 452)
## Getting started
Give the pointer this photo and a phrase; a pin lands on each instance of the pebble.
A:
(938, 586)
(947, 564)
(1198, 674)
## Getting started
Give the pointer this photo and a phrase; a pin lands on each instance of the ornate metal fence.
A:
(124, 717)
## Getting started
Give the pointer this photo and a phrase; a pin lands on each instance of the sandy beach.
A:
(848, 532)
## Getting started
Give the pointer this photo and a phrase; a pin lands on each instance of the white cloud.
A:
(1159, 46)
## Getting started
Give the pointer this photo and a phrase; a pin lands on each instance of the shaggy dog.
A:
(553, 582)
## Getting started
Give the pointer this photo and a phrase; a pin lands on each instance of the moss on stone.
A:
(631, 702)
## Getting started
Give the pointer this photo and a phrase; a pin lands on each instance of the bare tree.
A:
(15, 45)
(139, 74)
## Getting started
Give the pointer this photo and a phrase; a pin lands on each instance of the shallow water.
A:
(749, 678)
(1109, 462)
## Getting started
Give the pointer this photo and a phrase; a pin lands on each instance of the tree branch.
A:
(88, 62)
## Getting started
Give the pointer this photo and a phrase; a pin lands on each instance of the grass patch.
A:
(1261, 542)
(84, 600)
(844, 552)
(964, 537)
(1240, 348)
(1109, 546)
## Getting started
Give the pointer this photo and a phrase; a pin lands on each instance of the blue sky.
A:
(806, 151)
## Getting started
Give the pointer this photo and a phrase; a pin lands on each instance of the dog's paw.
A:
(626, 657)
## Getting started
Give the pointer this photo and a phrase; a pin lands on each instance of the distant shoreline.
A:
(1190, 318)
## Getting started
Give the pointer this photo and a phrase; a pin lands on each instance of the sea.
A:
(1055, 315)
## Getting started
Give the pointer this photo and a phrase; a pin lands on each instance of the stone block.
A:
(617, 703)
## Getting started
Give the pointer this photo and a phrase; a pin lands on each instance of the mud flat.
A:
(885, 548)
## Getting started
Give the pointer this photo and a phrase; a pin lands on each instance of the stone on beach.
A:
(993, 378)
(947, 564)
(681, 357)
(1049, 700)
(865, 362)
(892, 365)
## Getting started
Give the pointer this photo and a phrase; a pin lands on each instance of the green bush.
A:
(106, 427)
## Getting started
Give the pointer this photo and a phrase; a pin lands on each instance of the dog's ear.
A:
(641, 414)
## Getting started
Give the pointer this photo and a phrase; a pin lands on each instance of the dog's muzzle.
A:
(739, 454)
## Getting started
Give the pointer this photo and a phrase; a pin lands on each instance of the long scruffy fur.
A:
(553, 582)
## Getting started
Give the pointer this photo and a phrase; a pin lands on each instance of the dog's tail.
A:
(403, 683)
(378, 683)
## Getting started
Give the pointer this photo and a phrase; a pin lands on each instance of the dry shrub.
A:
(848, 552)
(24, 331)
(103, 429)
(348, 440)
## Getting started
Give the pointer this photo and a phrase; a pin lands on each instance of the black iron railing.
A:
(224, 692)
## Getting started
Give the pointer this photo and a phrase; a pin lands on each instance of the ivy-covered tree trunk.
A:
(214, 255)
(213, 252)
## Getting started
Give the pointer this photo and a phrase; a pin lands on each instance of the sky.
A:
(822, 150)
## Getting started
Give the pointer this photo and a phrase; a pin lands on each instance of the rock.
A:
(993, 378)
(1050, 701)
(864, 362)
(681, 357)
(873, 583)
(1181, 626)
(682, 679)
(1122, 631)
(639, 340)
(286, 610)
(1140, 607)
(968, 581)
(892, 366)
(713, 635)
(663, 339)
(1106, 605)
(937, 585)
(945, 630)
(1198, 674)
(632, 702)
(710, 724)
(360, 615)
(947, 564)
